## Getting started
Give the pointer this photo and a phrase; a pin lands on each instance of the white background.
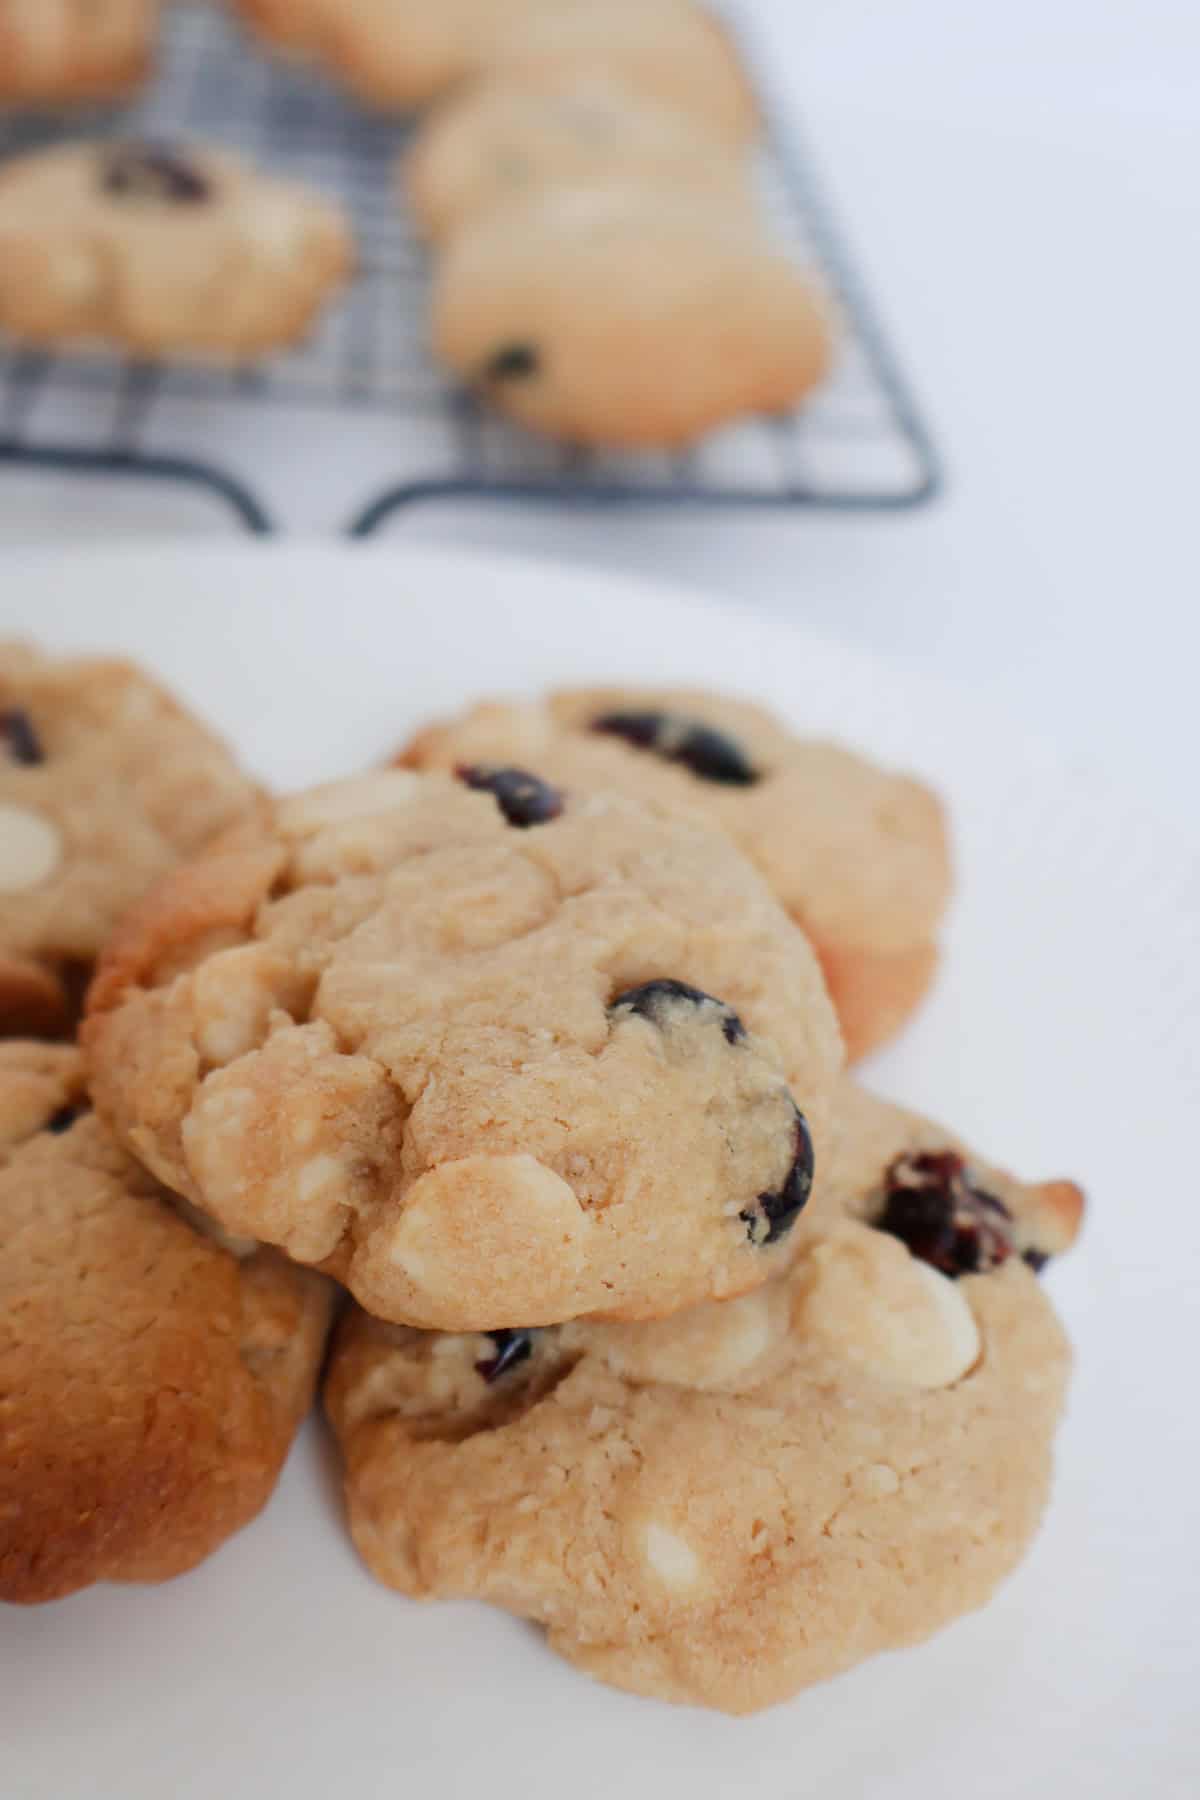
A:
(1021, 182)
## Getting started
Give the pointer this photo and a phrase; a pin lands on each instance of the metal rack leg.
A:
(395, 499)
(248, 510)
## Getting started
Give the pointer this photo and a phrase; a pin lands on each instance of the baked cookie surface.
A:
(388, 53)
(623, 316)
(858, 855)
(105, 782)
(491, 1053)
(499, 140)
(671, 51)
(150, 1382)
(163, 251)
(727, 1505)
(60, 51)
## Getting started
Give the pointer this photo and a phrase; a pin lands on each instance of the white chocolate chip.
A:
(703, 1347)
(234, 994)
(30, 849)
(227, 1110)
(878, 1481)
(670, 1557)
(958, 1350)
(491, 1232)
(317, 1176)
(862, 1296)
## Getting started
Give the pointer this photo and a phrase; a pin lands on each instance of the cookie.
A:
(670, 51)
(105, 782)
(490, 1053)
(388, 53)
(626, 317)
(858, 855)
(500, 140)
(63, 51)
(150, 1381)
(725, 1506)
(162, 251)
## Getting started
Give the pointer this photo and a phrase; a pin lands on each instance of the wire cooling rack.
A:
(858, 443)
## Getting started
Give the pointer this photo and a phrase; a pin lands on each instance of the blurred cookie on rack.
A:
(105, 783)
(390, 54)
(396, 54)
(625, 316)
(163, 251)
(674, 52)
(507, 139)
(60, 52)
(152, 1379)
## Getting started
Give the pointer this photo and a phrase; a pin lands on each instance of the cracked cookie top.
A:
(494, 1053)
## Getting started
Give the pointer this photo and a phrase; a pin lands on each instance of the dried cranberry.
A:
(707, 752)
(515, 362)
(512, 1348)
(654, 1000)
(63, 1119)
(16, 727)
(151, 172)
(932, 1204)
(775, 1214)
(524, 799)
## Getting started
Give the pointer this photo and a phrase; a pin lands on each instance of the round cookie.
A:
(500, 140)
(722, 1507)
(65, 51)
(624, 317)
(151, 1381)
(105, 782)
(672, 51)
(491, 1054)
(162, 251)
(857, 855)
(388, 53)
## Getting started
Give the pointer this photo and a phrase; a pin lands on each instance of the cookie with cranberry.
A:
(59, 52)
(163, 251)
(626, 316)
(857, 854)
(502, 139)
(722, 1507)
(492, 1052)
(105, 782)
(152, 1381)
(671, 51)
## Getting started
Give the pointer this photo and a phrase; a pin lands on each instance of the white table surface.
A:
(1020, 185)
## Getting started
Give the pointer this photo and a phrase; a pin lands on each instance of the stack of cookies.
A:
(603, 271)
(523, 1055)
